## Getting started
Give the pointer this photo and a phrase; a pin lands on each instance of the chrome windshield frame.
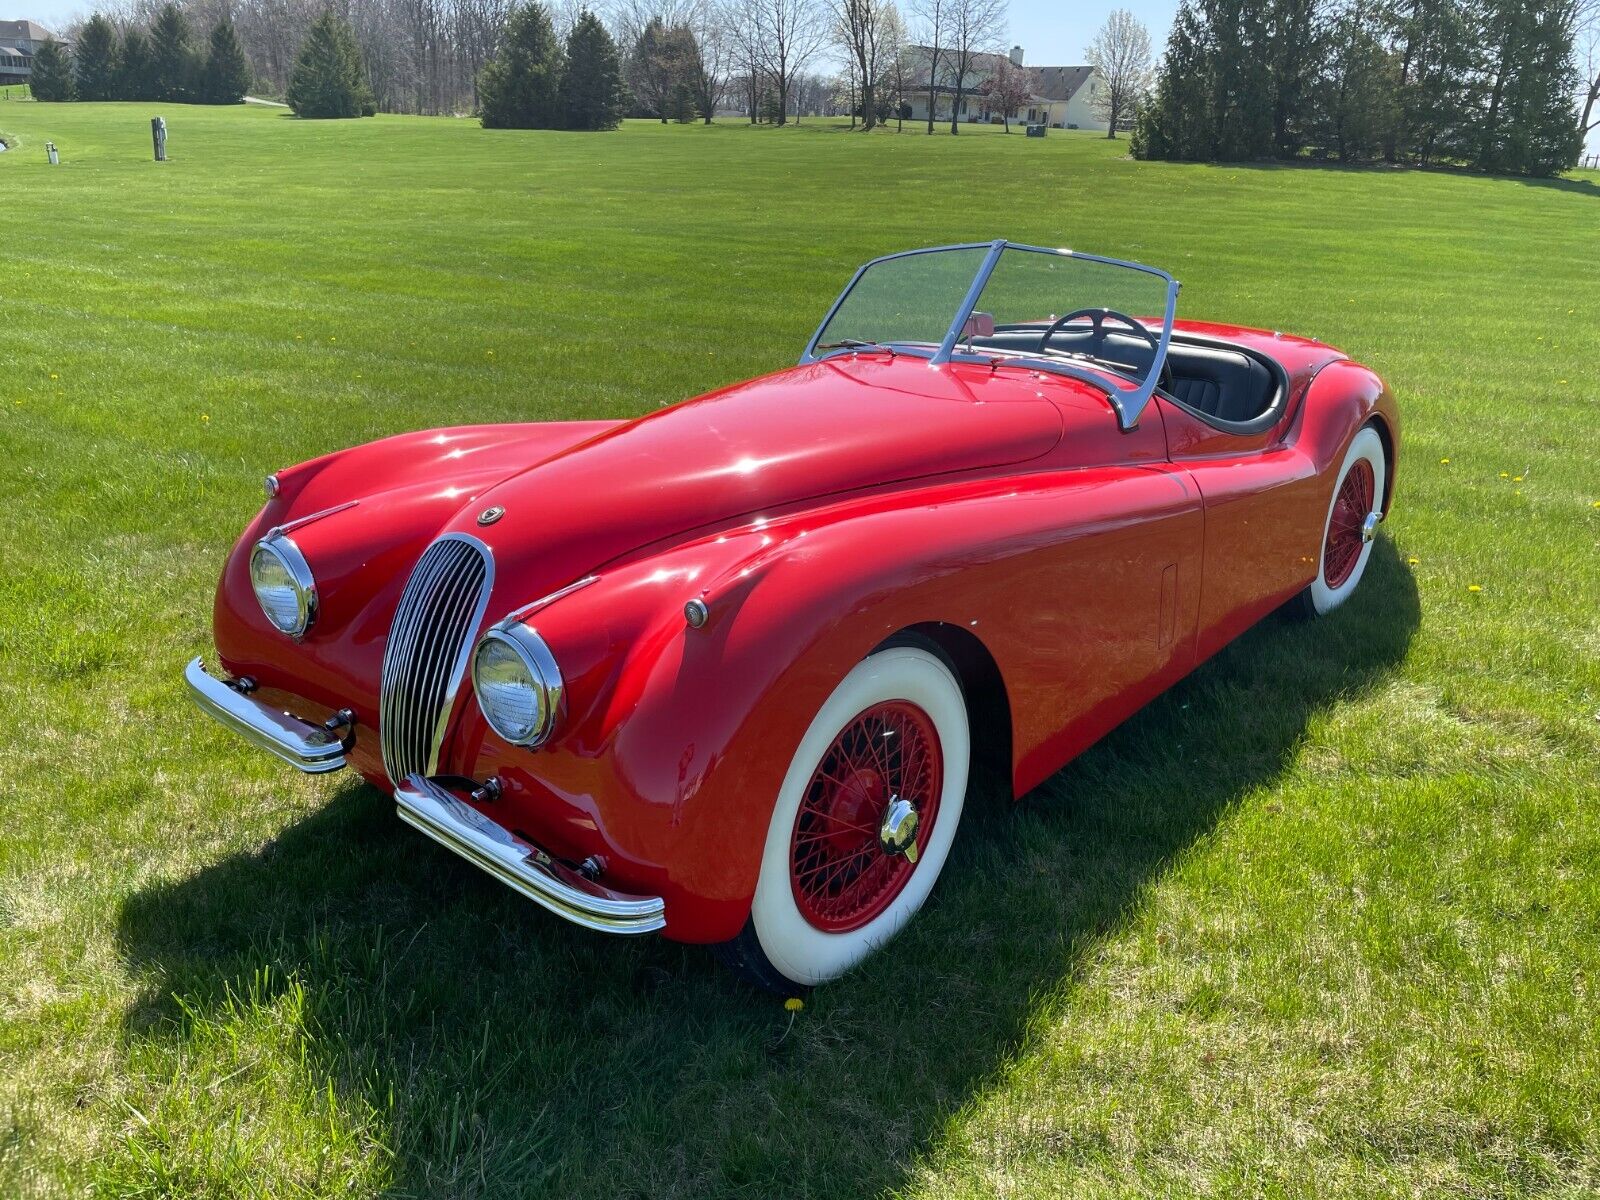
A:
(1129, 405)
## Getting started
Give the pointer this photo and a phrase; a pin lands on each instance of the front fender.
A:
(677, 739)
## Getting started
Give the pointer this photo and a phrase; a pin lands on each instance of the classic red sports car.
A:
(721, 671)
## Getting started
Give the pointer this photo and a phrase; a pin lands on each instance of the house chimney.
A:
(1016, 56)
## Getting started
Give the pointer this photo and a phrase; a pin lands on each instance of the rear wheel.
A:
(1351, 525)
(863, 823)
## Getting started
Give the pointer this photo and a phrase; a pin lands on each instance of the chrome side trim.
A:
(290, 526)
(428, 806)
(533, 606)
(301, 744)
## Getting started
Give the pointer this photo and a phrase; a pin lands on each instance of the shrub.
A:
(94, 61)
(328, 79)
(52, 73)
(591, 87)
(226, 77)
(521, 88)
(134, 68)
(174, 67)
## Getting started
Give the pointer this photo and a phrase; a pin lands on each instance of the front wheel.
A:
(863, 822)
(1353, 516)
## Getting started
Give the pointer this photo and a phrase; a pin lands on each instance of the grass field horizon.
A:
(1321, 922)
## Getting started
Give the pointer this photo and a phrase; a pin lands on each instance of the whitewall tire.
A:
(863, 822)
(1350, 524)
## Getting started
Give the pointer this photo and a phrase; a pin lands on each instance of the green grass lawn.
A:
(1325, 921)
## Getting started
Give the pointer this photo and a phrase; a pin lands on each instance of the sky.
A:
(1054, 32)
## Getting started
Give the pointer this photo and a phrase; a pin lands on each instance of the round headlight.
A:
(283, 585)
(517, 684)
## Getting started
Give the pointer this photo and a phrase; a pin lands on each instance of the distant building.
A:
(1060, 96)
(19, 41)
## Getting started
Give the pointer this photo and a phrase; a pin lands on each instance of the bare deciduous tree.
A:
(976, 27)
(788, 35)
(1588, 51)
(711, 67)
(859, 27)
(1121, 53)
(930, 26)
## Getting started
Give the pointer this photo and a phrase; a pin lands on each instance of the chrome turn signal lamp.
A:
(283, 585)
(518, 684)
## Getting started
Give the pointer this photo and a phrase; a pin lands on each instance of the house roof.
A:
(1046, 83)
(24, 31)
(1057, 83)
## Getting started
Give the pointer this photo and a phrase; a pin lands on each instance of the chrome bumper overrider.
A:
(302, 744)
(456, 825)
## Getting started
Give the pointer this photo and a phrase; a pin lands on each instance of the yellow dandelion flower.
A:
(299, 337)
(490, 353)
(1472, 587)
(1516, 479)
(794, 1004)
(54, 376)
(1562, 382)
(1444, 462)
(1505, 474)
(1413, 561)
(206, 417)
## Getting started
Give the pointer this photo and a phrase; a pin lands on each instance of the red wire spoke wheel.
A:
(1350, 509)
(852, 851)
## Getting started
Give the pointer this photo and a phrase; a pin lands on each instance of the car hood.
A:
(811, 432)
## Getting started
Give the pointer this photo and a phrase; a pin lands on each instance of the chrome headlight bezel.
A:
(283, 550)
(544, 680)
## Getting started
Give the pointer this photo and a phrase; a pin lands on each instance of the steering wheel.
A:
(1097, 319)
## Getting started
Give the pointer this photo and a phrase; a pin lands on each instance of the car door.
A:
(1263, 503)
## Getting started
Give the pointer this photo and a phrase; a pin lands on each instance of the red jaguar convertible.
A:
(722, 671)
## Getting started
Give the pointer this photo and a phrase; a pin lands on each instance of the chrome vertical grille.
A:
(429, 644)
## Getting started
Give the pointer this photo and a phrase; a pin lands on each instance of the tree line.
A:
(1487, 84)
(768, 60)
(156, 61)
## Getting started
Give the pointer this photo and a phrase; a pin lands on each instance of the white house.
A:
(1060, 96)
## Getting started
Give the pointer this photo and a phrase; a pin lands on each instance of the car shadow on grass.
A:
(484, 1048)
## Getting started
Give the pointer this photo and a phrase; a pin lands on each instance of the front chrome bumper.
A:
(303, 744)
(429, 806)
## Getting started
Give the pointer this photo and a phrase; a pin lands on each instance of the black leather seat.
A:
(1223, 384)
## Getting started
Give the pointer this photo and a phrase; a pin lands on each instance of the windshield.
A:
(1093, 318)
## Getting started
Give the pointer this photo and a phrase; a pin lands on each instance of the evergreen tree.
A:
(1295, 43)
(173, 66)
(134, 68)
(1525, 123)
(226, 76)
(591, 87)
(1355, 107)
(1238, 53)
(521, 88)
(661, 71)
(1436, 47)
(94, 60)
(328, 78)
(1175, 122)
(52, 72)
